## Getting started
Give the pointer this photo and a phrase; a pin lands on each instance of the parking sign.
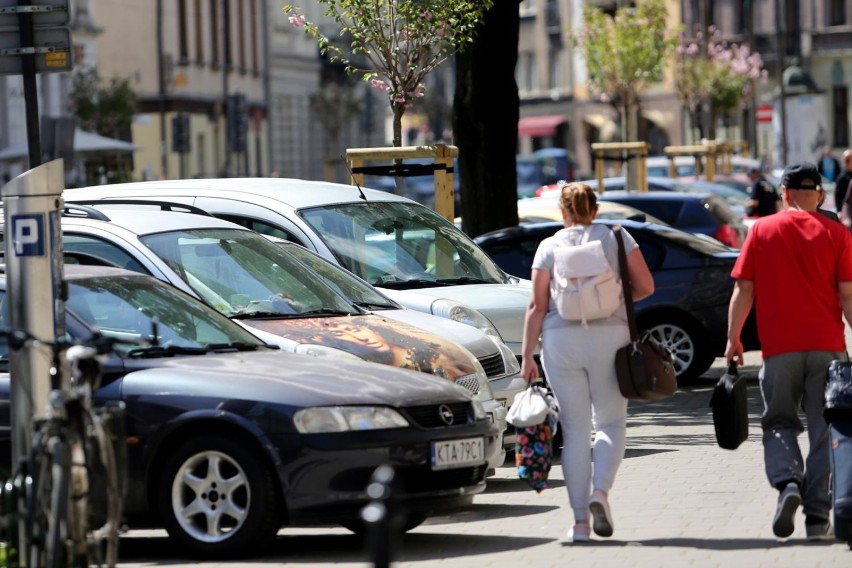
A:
(28, 234)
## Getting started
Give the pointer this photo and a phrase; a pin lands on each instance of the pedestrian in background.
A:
(796, 267)
(763, 199)
(841, 184)
(828, 166)
(579, 363)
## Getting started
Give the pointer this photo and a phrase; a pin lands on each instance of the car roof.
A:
(72, 272)
(144, 221)
(295, 193)
(659, 195)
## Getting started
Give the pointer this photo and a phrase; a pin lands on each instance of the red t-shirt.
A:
(795, 260)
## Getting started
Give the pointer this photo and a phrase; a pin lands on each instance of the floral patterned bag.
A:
(534, 452)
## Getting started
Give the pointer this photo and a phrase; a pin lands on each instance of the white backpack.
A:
(583, 284)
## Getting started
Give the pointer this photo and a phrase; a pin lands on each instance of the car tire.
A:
(685, 340)
(190, 492)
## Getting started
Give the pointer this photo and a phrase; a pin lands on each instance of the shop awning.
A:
(540, 125)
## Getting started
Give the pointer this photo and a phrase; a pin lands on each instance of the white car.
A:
(281, 299)
(415, 256)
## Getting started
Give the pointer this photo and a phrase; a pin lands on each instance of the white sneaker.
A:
(601, 515)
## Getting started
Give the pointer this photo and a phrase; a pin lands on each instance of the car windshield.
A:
(349, 285)
(126, 306)
(401, 245)
(242, 274)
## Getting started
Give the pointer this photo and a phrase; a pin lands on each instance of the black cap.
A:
(801, 176)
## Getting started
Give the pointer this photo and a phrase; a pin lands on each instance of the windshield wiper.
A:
(261, 314)
(376, 305)
(463, 280)
(325, 312)
(411, 283)
(164, 351)
(234, 346)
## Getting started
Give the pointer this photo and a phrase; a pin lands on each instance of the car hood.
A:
(286, 378)
(376, 339)
(472, 339)
(503, 304)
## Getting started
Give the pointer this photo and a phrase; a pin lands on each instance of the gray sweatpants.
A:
(794, 382)
(580, 367)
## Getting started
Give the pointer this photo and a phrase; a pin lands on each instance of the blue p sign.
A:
(28, 234)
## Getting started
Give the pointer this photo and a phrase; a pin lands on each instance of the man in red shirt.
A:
(796, 266)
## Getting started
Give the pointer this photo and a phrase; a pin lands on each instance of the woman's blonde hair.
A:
(580, 201)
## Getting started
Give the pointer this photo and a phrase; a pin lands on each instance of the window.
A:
(837, 13)
(183, 42)
(199, 33)
(255, 63)
(214, 32)
(840, 118)
(88, 250)
(526, 73)
(555, 74)
(241, 34)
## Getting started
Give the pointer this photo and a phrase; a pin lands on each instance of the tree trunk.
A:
(488, 140)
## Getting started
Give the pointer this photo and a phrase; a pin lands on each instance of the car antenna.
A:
(352, 177)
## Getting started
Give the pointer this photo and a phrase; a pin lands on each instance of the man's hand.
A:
(734, 351)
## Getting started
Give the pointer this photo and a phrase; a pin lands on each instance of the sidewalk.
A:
(679, 500)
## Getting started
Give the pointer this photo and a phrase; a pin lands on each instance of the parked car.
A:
(280, 299)
(416, 256)
(228, 439)
(688, 311)
(685, 165)
(704, 213)
(501, 367)
(546, 208)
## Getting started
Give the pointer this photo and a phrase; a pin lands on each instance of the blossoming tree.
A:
(716, 73)
(394, 44)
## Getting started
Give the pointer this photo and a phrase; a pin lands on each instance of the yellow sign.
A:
(56, 59)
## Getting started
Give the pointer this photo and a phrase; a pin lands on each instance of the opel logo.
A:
(446, 414)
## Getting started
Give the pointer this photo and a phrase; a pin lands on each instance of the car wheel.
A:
(217, 498)
(687, 344)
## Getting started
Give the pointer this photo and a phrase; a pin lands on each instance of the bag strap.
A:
(625, 284)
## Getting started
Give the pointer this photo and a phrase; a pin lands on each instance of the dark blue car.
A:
(688, 311)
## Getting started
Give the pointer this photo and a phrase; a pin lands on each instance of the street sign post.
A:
(42, 45)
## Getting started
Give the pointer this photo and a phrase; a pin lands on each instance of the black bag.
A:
(644, 368)
(838, 391)
(730, 409)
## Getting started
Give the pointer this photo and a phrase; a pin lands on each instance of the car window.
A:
(516, 256)
(665, 209)
(399, 243)
(694, 213)
(349, 285)
(720, 211)
(258, 226)
(89, 250)
(241, 273)
(125, 307)
(653, 252)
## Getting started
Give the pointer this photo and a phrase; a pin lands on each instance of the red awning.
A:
(539, 125)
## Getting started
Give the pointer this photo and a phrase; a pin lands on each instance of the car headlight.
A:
(459, 312)
(324, 351)
(322, 419)
(510, 361)
(479, 410)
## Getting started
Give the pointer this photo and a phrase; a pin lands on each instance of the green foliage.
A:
(626, 53)
(105, 108)
(394, 44)
(715, 72)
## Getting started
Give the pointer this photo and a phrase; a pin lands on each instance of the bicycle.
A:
(72, 482)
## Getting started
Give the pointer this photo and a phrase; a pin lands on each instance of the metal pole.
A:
(161, 78)
(781, 26)
(32, 204)
(28, 68)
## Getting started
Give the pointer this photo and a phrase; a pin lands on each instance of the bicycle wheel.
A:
(106, 481)
(47, 506)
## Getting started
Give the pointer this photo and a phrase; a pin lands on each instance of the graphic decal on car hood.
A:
(376, 339)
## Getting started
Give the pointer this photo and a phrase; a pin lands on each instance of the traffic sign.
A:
(52, 49)
(44, 13)
(764, 113)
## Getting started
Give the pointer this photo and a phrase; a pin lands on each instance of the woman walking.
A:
(578, 358)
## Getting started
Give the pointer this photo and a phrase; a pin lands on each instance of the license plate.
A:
(458, 453)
